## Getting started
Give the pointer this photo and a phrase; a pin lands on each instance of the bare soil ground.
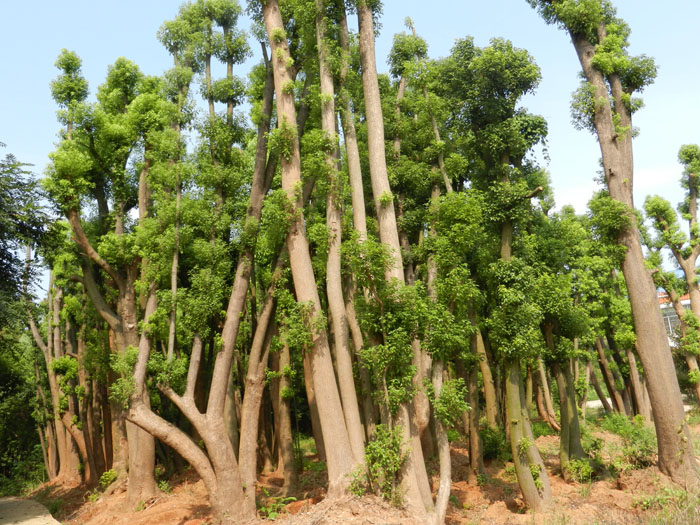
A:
(628, 498)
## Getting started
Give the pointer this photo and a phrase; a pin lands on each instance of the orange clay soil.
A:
(497, 500)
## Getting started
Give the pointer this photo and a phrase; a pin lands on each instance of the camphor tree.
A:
(604, 105)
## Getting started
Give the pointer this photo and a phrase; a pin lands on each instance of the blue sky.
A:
(33, 33)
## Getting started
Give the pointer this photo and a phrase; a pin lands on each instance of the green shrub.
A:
(107, 478)
(274, 505)
(495, 446)
(385, 454)
(580, 470)
(639, 440)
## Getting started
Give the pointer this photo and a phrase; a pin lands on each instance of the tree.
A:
(604, 105)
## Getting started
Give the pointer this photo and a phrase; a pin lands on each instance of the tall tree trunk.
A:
(676, 457)
(330, 409)
(609, 379)
(381, 190)
(334, 290)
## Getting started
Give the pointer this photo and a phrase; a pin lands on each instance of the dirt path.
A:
(24, 512)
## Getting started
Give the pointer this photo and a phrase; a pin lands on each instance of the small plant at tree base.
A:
(274, 505)
(358, 482)
(107, 478)
(580, 470)
(165, 487)
(385, 455)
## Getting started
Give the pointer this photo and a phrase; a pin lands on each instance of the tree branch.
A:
(82, 241)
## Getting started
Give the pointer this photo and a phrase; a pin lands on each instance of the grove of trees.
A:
(374, 260)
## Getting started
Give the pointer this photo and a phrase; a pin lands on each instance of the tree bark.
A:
(334, 290)
(676, 457)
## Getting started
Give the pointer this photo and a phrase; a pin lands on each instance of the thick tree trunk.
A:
(443, 494)
(537, 494)
(676, 457)
(490, 398)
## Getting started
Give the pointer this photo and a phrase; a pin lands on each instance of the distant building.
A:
(671, 320)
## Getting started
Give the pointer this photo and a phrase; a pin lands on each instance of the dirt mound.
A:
(368, 510)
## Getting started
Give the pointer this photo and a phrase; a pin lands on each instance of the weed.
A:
(164, 486)
(540, 428)
(661, 498)
(580, 470)
(454, 500)
(274, 505)
(509, 473)
(107, 478)
(639, 441)
(55, 506)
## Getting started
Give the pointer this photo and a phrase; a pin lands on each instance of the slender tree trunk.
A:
(546, 394)
(334, 290)
(386, 216)
(284, 429)
(637, 388)
(609, 379)
(340, 464)
(599, 392)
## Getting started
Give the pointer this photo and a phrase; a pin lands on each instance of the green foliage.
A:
(123, 365)
(283, 139)
(494, 444)
(661, 498)
(107, 478)
(273, 506)
(451, 402)
(170, 372)
(639, 440)
(385, 454)
(164, 486)
(579, 470)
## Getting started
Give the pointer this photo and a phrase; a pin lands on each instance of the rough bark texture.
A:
(334, 290)
(340, 464)
(386, 216)
(676, 457)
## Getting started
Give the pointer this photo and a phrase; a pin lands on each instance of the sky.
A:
(33, 33)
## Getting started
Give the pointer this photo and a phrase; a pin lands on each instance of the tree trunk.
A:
(339, 462)
(601, 395)
(537, 498)
(490, 398)
(334, 290)
(609, 379)
(676, 457)
(547, 396)
(381, 190)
